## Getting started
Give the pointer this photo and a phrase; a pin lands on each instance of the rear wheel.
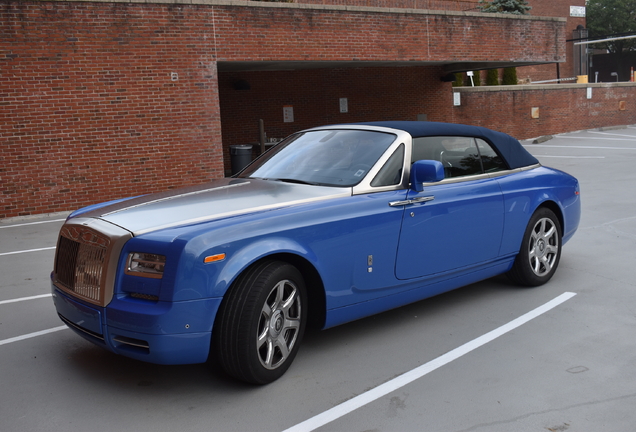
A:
(261, 322)
(540, 251)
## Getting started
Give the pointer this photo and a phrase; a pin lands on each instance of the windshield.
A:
(323, 157)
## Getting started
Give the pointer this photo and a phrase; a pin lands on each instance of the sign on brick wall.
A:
(577, 11)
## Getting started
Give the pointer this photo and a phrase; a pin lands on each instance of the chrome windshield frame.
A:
(401, 137)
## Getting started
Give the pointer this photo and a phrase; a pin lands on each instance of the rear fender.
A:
(526, 191)
(516, 224)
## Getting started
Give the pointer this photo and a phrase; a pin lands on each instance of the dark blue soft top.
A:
(508, 147)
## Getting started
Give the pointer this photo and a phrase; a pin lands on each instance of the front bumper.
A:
(162, 333)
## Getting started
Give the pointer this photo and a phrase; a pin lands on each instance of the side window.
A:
(391, 173)
(427, 148)
(491, 161)
(458, 155)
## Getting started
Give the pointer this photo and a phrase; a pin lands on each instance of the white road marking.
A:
(580, 147)
(570, 157)
(32, 223)
(27, 251)
(595, 138)
(32, 335)
(414, 374)
(614, 134)
(24, 299)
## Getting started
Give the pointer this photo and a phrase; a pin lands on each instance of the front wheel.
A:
(261, 322)
(540, 251)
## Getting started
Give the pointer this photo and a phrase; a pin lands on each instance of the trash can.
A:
(240, 156)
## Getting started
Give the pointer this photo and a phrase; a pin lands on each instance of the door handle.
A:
(411, 201)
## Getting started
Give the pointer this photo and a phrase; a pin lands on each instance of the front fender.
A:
(244, 256)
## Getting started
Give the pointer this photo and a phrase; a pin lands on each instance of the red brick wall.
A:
(88, 108)
(562, 108)
(542, 8)
(89, 112)
(276, 32)
(554, 9)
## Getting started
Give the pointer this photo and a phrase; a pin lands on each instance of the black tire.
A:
(261, 322)
(540, 250)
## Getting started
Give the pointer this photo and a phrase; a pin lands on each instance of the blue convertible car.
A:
(332, 224)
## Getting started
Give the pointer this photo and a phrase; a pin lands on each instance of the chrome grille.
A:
(80, 262)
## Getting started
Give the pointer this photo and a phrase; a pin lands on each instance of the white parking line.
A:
(580, 147)
(32, 335)
(570, 157)
(24, 299)
(32, 223)
(613, 134)
(27, 251)
(408, 377)
(595, 138)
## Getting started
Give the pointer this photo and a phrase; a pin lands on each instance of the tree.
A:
(515, 7)
(607, 18)
(612, 17)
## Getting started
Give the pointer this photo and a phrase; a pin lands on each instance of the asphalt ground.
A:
(487, 357)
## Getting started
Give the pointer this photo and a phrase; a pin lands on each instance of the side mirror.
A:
(425, 171)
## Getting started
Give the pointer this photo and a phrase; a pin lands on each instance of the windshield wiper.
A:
(291, 180)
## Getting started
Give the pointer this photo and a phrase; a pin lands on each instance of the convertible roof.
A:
(508, 147)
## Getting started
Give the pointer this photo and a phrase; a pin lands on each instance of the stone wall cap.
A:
(324, 7)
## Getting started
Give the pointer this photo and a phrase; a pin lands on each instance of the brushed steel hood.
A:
(215, 200)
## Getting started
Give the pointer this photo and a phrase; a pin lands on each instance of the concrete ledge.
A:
(531, 87)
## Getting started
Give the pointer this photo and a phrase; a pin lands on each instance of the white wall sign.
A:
(534, 112)
(288, 114)
(577, 11)
(344, 105)
(457, 100)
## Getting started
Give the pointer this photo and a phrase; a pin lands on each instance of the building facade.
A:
(102, 100)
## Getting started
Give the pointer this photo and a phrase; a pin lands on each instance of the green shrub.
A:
(509, 76)
(492, 77)
(459, 80)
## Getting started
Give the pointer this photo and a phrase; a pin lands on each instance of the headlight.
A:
(145, 265)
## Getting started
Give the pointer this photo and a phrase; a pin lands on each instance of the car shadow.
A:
(440, 304)
(118, 373)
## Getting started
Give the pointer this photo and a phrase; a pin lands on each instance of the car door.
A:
(454, 224)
